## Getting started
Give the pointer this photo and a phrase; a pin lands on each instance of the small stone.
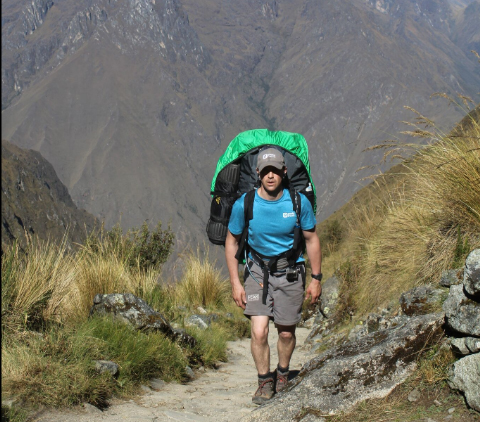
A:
(146, 388)
(437, 403)
(89, 408)
(451, 277)
(157, 384)
(201, 310)
(198, 321)
(447, 418)
(309, 323)
(430, 420)
(451, 410)
(459, 346)
(473, 344)
(414, 395)
(190, 373)
(420, 300)
(106, 366)
(471, 276)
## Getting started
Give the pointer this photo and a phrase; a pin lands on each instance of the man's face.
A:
(271, 178)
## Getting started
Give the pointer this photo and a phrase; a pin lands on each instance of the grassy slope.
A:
(419, 218)
(402, 230)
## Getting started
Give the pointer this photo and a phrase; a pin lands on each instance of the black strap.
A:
(248, 215)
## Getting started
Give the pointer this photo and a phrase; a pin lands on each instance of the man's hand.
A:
(314, 291)
(238, 294)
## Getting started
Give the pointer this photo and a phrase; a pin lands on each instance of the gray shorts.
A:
(284, 299)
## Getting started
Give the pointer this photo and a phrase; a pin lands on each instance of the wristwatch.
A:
(317, 276)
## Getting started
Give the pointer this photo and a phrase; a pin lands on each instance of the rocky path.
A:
(215, 395)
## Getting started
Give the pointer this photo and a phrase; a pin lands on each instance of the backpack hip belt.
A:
(270, 265)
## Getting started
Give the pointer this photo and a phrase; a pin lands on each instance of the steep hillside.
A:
(34, 201)
(134, 101)
(418, 219)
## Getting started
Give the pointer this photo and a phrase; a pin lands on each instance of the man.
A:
(271, 233)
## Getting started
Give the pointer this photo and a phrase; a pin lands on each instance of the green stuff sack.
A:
(236, 174)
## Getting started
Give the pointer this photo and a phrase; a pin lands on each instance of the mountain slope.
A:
(35, 202)
(134, 101)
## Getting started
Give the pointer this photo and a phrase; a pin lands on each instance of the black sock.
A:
(282, 370)
(265, 376)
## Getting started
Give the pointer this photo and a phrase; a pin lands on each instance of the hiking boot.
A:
(281, 381)
(264, 391)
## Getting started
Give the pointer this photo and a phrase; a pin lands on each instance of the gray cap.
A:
(270, 157)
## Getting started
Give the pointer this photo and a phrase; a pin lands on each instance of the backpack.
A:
(236, 174)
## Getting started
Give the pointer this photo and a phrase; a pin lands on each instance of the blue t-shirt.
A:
(270, 231)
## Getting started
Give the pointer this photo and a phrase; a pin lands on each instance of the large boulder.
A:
(324, 320)
(462, 314)
(135, 311)
(368, 368)
(465, 376)
(471, 275)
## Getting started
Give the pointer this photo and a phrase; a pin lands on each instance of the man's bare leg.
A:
(286, 344)
(259, 343)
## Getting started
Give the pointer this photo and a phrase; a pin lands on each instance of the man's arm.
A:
(231, 248)
(314, 253)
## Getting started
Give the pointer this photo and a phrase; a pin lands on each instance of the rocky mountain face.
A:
(133, 101)
(34, 201)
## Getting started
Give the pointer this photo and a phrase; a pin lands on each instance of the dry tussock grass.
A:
(406, 234)
(201, 283)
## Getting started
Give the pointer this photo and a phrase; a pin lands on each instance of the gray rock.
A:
(465, 377)
(156, 384)
(201, 321)
(462, 314)
(459, 346)
(451, 277)
(329, 297)
(471, 275)
(414, 395)
(190, 373)
(106, 366)
(309, 323)
(371, 367)
(473, 344)
(90, 408)
(357, 332)
(146, 389)
(197, 321)
(420, 300)
(326, 309)
(135, 311)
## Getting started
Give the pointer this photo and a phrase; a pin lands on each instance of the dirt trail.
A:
(215, 395)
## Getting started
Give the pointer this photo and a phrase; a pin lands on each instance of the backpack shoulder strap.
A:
(297, 207)
(248, 213)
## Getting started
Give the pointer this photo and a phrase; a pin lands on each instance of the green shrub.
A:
(141, 248)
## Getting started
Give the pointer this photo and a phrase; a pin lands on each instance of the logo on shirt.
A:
(288, 214)
(252, 298)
